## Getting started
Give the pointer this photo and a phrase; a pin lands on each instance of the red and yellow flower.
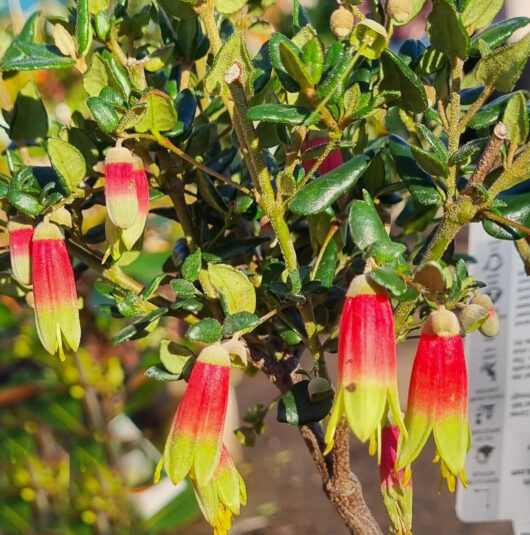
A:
(55, 295)
(438, 398)
(367, 382)
(396, 487)
(195, 439)
(223, 496)
(120, 187)
(20, 231)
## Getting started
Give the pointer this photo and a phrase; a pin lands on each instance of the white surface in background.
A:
(498, 464)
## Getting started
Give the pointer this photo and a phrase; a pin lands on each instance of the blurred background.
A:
(79, 441)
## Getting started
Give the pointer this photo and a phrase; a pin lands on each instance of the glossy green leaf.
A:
(326, 270)
(207, 331)
(30, 121)
(294, 66)
(397, 76)
(490, 113)
(234, 50)
(104, 114)
(192, 266)
(497, 34)
(430, 61)
(158, 374)
(300, 16)
(288, 82)
(83, 27)
(516, 207)
(183, 289)
(296, 408)
(516, 119)
(161, 115)
(24, 202)
(502, 68)
(242, 322)
(429, 162)
(235, 290)
(478, 14)
(237, 248)
(278, 113)
(446, 31)
(316, 196)
(389, 279)
(468, 151)
(174, 356)
(120, 74)
(68, 162)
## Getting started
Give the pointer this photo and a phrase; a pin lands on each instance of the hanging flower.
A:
(20, 234)
(124, 239)
(194, 442)
(331, 161)
(120, 188)
(396, 487)
(223, 496)
(438, 398)
(55, 296)
(367, 379)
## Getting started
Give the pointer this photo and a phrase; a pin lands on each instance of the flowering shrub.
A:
(317, 180)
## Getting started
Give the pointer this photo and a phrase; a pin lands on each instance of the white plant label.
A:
(498, 464)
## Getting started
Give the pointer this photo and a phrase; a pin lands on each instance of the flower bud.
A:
(472, 317)
(490, 327)
(367, 379)
(399, 10)
(20, 232)
(120, 188)
(195, 439)
(341, 22)
(55, 295)
(438, 398)
(319, 388)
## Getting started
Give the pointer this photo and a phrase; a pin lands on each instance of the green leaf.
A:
(389, 279)
(30, 121)
(516, 118)
(419, 183)
(416, 6)
(141, 327)
(236, 292)
(192, 266)
(24, 202)
(468, 151)
(326, 270)
(286, 80)
(68, 162)
(397, 76)
(478, 14)
(83, 28)
(158, 374)
(502, 68)
(134, 116)
(300, 16)
(237, 248)
(490, 113)
(234, 50)
(183, 289)
(104, 114)
(98, 76)
(497, 34)
(446, 31)
(174, 356)
(209, 194)
(243, 322)
(227, 7)
(279, 113)
(161, 115)
(207, 331)
(429, 162)
(296, 408)
(316, 196)
(294, 67)
(515, 207)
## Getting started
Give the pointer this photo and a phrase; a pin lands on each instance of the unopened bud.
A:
(490, 327)
(399, 10)
(472, 317)
(341, 22)
(319, 388)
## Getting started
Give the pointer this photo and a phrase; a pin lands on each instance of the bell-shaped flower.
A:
(367, 378)
(194, 442)
(223, 496)
(20, 232)
(438, 398)
(120, 240)
(120, 187)
(55, 296)
(396, 487)
(331, 161)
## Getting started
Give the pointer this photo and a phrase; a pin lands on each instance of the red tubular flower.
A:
(223, 496)
(396, 487)
(120, 189)
(20, 234)
(367, 362)
(331, 161)
(194, 442)
(55, 296)
(438, 398)
(117, 238)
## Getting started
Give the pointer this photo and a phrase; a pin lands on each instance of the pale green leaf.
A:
(68, 162)
(237, 293)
